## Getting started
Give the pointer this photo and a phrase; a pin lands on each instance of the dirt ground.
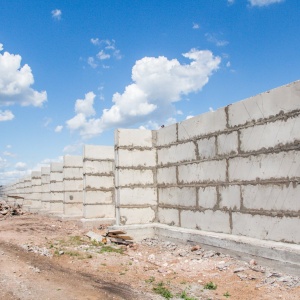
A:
(44, 258)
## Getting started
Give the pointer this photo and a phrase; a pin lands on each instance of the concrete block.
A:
(133, 138)
(177, 153)
(278, 197)
(45, 179)
(166, 175)
(230, 197)
(57, 177)
(176, 196)
(57, 207)
(35, 175)
(45, 171)
(202, 172)
(280, 229)
(46, 188)
(57, 196)
(282, 99)
(136, 158)
(99, 182)
(73, 197)
(168, 216)
(99, 211)
(73, 209)
(73, 173)
(98, 197)
(214, 221)
(136, 215)
(135, 177)
(228, 143)
(166, 135)
(73, 185)
(56, 167)
(207, 196)
(36, 189)
(207, 147)
(138, 196)
(270, 135)
(202, 125)
(265, 166)
(56, 186)
(98, 167)
(92, 152)
(73, 161)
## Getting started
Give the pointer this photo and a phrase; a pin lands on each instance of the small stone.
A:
(195, 248)
(237, 270)
(61, 252)
(151, 258)
(242, 276)
(253, 262)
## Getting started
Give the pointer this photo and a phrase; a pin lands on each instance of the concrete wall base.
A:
(96, 222)
(281, 256)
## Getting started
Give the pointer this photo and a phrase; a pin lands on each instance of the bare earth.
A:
(44, 258)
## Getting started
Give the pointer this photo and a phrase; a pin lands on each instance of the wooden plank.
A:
(116, 232)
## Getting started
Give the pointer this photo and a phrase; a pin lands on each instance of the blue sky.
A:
(73, 71)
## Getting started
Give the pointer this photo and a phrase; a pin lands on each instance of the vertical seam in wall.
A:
(154, 148)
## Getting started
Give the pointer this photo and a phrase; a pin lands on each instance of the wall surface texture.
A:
(73, 185)
(234, 171)
(98, 174)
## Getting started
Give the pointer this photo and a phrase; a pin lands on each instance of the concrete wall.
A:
(56, 188)
(98, 174)
(36, 191)
(73, 185)
(235, 170)
(135, 171)
(46, 196)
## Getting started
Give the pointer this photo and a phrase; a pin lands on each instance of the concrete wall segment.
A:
(136, 158)
(282, 99)
(166, 175)
(271, 134)
(138, 196)
(272, 197)
(93, 152)
(133, 138)
(228, 143)
(206, 171)
(175, 196)
(56, 167)
(202, 125)
(215, 221)
(98, 167)
(135, 177)
(73, 161)
(283, 165)
(278, 229)
(166, 135)
(99, 182)
(177, 153)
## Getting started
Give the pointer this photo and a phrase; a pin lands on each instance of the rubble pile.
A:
(7, 210)
(112, 236)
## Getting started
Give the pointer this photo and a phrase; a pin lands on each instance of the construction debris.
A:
(112, 236)
(7, 210)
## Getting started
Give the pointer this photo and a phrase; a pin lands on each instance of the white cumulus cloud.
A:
(6, 115)
(102, 55)
(264, 2)
(58, 128)
(196, 26)
(56, 14)
(21, 166)
(157, 83)
(16, 81)
(1, 47)
(213, 39)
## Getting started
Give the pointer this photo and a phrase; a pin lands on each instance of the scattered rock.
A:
(195, 248)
